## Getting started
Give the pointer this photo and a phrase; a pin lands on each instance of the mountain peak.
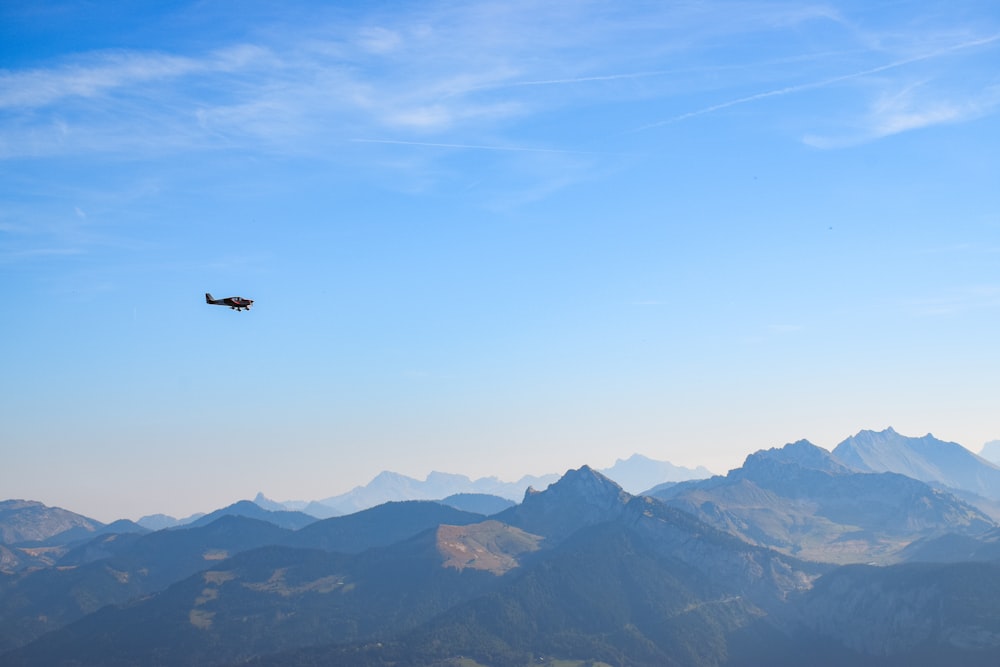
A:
(581, 497)
(801, 453)
(388, 476)
(927, 459)
(635, 458)
(588, 485)
(263, 501)
(639, 473)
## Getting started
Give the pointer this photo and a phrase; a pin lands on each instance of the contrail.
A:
(559, 82)
(476, 147)
(582, 79)
(820, 84)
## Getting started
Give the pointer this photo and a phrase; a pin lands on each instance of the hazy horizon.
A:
(485, 238)
(421, 477)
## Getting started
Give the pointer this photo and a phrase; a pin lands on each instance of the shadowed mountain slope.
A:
(114, 569)
(33, 535)
(646, 609)
(267, 600)
(955, 548)
(910, 611)
(379, 526)
(478, 503)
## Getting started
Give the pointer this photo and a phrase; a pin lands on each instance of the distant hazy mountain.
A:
(801, 500)
(259, 508)
(639, 473)
(927, 459)
(158, 521)
(390, 486)
(272, 505)
(161, 521)
(991, 452)
(283, 518)
(635, 474)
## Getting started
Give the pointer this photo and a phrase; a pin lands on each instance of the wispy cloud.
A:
(830, 81)
(443, 75)
(92, 76)
(437, 69)
(914, 107)
(102, 73)
(970, 298)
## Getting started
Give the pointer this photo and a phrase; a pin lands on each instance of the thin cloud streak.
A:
(821, 84)
(477, 147)
(37, 253)
(102, 73)
(571, 80)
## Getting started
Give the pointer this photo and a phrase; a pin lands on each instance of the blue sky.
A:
(488, 238)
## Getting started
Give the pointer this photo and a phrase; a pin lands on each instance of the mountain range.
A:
(800, 556)
(635, 474)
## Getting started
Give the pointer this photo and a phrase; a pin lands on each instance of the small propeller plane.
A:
(234, 302)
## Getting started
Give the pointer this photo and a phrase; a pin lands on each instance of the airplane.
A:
(234, 302)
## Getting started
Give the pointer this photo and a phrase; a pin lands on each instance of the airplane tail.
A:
(208, 298)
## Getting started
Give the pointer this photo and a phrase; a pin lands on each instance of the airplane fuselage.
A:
(234, 302)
